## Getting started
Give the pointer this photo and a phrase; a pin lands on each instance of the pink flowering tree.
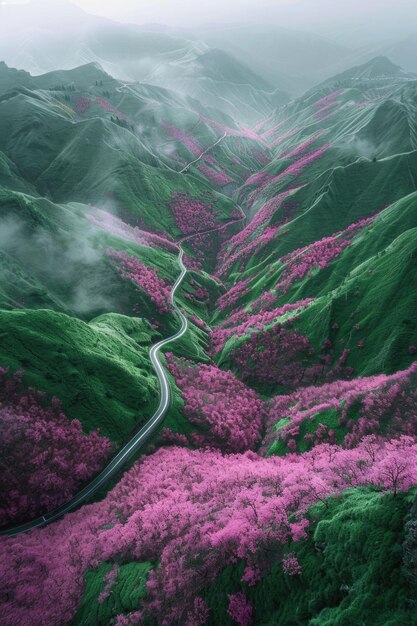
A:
(377, 405)
(218, 178)
(290, 565)
(316, 256)
(44, 457)
(228, 414)
(244, 323)
(144, 277)
(191, 214)
(240, 609)
(191, 513)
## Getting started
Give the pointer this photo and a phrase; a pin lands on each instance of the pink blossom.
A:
(240, 609)
(45, 457)
(227, 413)
(82, 104)
(216, 178)
(326, 105)
(191, 144)
(144, 277)
(192, 512)
(290, 565)
(242, 323)
(384, 403)
(192, 215)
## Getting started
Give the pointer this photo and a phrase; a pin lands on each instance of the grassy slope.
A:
(89, 158)
(100, 371)
(334, 200)
(125, 594)
(372, 283)
(52, 250)
(369, 586)
(366, 587)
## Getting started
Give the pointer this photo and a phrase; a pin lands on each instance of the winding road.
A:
(138, 440)
(185, 168)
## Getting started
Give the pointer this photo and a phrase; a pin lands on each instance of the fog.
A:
(386, 16)
(291, 44)
(72, 270)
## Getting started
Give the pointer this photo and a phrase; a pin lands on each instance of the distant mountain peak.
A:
(378, 68)
(381, 65)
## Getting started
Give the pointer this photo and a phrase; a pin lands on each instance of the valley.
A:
(208, 343)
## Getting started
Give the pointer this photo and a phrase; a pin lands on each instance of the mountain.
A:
(403, 52)
(296, 61)
(377, 69)
(57, 36)
(288, 59)
(274, 242)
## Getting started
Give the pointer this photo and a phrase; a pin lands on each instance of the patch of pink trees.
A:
(44, 457)
(249, 250)
(259, 222)
(192, 145)
(82, 104)
(279, 355)
(216, 178)
(240, 609)
(198, 322)
(318, 255)
(199, 294)
(228, 414)
(303, 147)
(191, 214)
(114, 225)
(293, 171)
(257, 179)
(146, 278)
(325, 106)
(190, 513)
(376, 405)
(238, 291)
(243, 323)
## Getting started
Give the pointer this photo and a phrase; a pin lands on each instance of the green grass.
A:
(352, 570)
(128, 590)
(101, 371)
(373, 284)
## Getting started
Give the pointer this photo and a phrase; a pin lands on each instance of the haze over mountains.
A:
(43, 35)
(256, 186)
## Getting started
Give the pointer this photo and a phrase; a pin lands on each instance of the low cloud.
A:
(71, 269)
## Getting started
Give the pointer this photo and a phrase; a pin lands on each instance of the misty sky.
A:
(178, 12)
(289, 12)
(390, 14)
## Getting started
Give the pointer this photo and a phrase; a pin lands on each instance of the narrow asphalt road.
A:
(138, 440)
(185, 168)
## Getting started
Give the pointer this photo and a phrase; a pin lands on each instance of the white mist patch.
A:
(70, 266)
